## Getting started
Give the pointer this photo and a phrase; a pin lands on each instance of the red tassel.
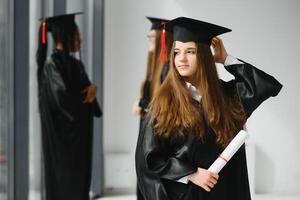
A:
(44, 33)
(163, 51)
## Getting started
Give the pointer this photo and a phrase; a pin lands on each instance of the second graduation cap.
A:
(64, 19)
(58, 22)
(186, 29)
(157, 23)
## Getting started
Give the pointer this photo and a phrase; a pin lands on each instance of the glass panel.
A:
(3, 123)
(4, 97)
(3, 162)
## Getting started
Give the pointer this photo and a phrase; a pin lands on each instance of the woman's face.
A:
(185, 59)
(151, 39)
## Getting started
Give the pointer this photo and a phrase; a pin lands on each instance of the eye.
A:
(175, 53)
(150, 36)
(191, 51)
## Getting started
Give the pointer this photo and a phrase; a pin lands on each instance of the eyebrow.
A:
(189, 48)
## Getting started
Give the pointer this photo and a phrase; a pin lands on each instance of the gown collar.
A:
(195, 93)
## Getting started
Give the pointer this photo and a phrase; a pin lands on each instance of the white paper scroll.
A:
(228, 152)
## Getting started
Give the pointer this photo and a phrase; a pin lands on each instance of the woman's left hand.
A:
(220, 53)
(136, 109)
(90, 92)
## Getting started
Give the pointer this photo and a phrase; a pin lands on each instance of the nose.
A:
(182, 57)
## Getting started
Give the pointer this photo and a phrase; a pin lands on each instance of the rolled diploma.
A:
(228, 152)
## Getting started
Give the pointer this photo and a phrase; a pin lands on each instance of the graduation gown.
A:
(144, 102)
(67, 127)
(160, 162)
(146, 98)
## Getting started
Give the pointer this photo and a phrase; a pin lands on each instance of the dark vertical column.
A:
(21, 83)
(98, 48)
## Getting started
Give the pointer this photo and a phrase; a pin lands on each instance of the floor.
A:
(133, 197)
(256, 197)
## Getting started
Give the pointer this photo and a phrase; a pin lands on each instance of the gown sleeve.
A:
(252, 85)
(145, 99)
(86, 82)
(56, 94)
(160, 161)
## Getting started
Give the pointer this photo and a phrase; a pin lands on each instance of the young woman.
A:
(67, 102)
(159, 45)
(157, 63)
(193, 117)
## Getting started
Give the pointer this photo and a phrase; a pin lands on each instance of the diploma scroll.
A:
(228, 152)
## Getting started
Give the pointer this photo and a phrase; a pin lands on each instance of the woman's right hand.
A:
(204, 179)
(90, 92)
(136, 109)
(220, 53)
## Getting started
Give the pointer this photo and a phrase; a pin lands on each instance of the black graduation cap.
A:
(64, 20)
(157, 23)
(187, 29)
(52, 24)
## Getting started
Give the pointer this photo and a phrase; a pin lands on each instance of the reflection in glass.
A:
(4, 98)
(3, 135)
(3, 165)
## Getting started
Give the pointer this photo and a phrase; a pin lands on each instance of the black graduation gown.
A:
(67, 127)
(164, 71)
(146, 98)
(144, 102)
(160, 162)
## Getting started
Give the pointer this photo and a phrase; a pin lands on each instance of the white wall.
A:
(265, 33)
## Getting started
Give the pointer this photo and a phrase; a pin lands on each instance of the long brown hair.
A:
(173, 109)
(154, 64)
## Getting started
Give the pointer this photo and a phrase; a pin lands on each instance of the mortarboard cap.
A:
(157, 23)
(59, 24)
(63, 17)
(187, 29)
(59, 21)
